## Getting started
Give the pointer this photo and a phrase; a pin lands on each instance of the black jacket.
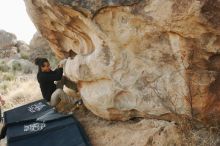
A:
(46, 81)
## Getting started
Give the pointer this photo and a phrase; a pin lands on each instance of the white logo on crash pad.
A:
(34, 127)
(36, 107)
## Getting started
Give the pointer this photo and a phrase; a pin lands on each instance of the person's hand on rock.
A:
(62, 63)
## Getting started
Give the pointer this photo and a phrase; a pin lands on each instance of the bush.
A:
(16, 66)
(3, 66)
(22, 66)
(8, 77)
(24, 56)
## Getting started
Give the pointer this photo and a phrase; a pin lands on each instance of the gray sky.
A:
(14, 19)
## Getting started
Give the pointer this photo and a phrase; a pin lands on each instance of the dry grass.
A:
(21, 90)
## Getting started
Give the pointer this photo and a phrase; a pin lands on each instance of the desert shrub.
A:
(3, 66)
(16, 66)
(4, 86)
(8, 76)
(24, 56)
(21, 66)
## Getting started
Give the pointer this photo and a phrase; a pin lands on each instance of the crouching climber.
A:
(46, 77)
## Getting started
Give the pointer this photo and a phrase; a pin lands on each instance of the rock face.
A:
(152, 58)
(142, 133)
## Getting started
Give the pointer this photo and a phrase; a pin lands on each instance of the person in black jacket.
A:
(46, 77)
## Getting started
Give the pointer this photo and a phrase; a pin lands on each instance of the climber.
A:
(46, 77)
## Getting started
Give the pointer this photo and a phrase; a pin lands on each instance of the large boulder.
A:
(148, 58)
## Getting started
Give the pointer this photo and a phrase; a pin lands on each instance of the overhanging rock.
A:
(137, 58)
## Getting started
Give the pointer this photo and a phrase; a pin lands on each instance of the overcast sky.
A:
(14, 19)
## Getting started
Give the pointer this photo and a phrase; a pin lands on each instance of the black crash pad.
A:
(63, 132)
(37, 124)
(26, 112)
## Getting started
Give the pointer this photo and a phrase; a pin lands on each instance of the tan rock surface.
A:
(137, 58)
(130, 133)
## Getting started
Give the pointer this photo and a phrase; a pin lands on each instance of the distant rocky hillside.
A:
(13, 49)
(7, 39)
(40, 48)
(9, 46)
